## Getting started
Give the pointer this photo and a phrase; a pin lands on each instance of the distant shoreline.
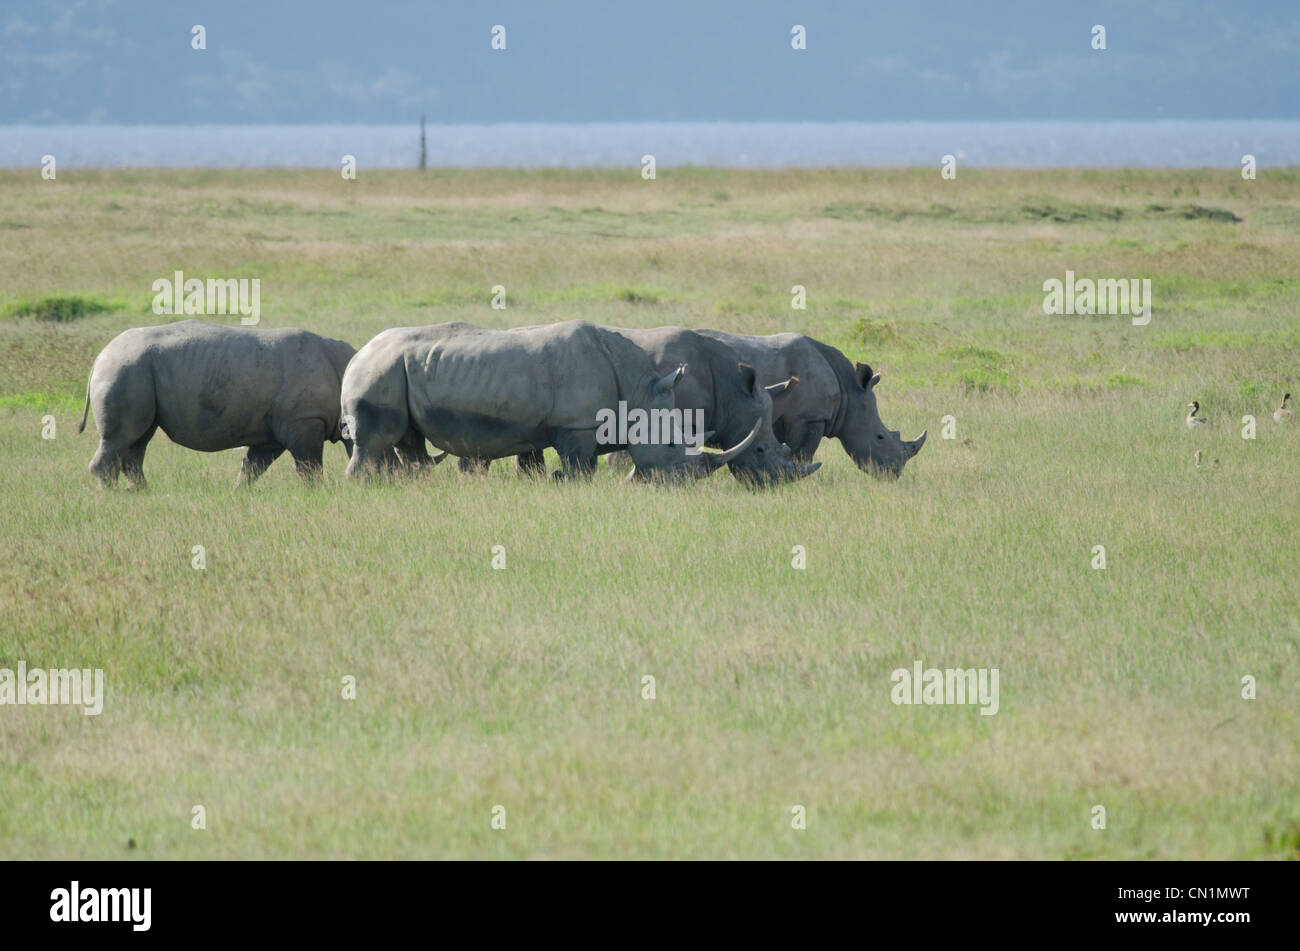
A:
(992, 144)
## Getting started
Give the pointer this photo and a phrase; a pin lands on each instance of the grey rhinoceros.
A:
(209, 388)
(726, 392)
(834, 398)
(484, 394)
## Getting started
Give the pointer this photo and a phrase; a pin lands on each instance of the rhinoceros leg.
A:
(256, 461)
(620, 460)
(804, 438)
(305, 440)
(474, 464)
(105, 465)
(531, 463)
(412, 452)
(133, 459)
(577, 454)
(110, 460)
(125, 415)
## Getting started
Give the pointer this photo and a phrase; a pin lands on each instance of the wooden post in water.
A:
(424, 155)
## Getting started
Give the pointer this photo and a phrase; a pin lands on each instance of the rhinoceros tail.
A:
(86, 412)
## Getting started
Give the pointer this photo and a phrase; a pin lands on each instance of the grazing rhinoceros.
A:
(729, 396)
(210, 388)
(834, 398)
(484, 394)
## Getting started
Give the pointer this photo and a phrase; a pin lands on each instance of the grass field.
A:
(523, 687)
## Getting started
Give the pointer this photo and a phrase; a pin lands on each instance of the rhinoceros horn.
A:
(915, 445)
(715, 460)
(707, 462)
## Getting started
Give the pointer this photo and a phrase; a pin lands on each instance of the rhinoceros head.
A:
(868, 442)
(673, 461)
(766, 460)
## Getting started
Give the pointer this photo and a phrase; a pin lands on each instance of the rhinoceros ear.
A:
(748, 378)
(666, 383)
(866, 379)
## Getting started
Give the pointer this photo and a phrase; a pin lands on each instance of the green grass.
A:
(522, 687)
(61, 308)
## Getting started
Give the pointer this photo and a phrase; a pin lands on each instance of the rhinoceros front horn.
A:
(915, 445)
(715, 460)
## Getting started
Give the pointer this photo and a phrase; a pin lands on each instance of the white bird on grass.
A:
(1192, 419)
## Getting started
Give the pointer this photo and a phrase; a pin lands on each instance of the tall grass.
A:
(523, 687)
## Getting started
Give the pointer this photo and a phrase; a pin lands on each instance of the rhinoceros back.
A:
(472, 389)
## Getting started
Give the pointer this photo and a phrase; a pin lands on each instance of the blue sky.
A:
(118, 61)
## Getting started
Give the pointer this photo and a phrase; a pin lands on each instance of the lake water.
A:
(755, 144)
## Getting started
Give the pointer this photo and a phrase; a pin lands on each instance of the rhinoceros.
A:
(834, 398)
(209, 388)
(484, 394)
(729, 396)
